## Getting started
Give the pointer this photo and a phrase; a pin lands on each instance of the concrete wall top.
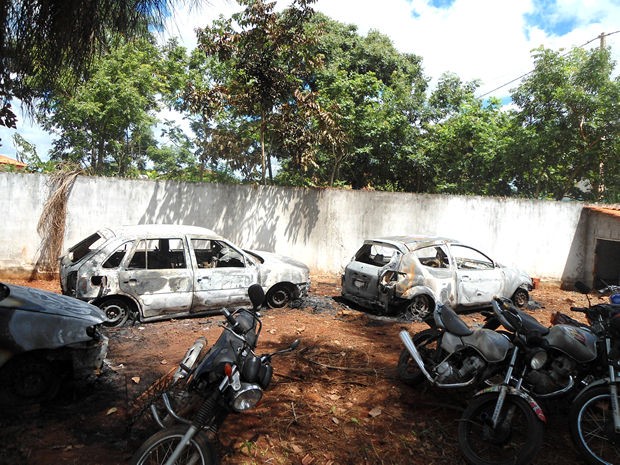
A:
(322, 227)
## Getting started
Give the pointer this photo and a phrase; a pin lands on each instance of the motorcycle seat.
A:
(452, 322)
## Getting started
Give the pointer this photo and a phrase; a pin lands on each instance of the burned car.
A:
(154, 272)
(411, 274)
(44, 339)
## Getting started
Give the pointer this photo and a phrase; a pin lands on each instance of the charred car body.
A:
(154, 272)
(45, 337)
(411, 274)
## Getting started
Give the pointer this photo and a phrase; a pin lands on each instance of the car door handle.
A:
(131, 281)
(200, 278)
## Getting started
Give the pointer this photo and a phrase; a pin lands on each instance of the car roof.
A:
(413, 241)
(142, 230)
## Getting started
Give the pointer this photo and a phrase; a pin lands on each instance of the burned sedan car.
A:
(44, 339)
(411, 274)
(154, 272)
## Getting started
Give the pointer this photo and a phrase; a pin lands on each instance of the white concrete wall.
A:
(322, 227)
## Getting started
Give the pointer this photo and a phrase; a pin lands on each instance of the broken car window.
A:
(470, 259)
(117, 256)
(216, 254)
(375, 254)
(83, 248)
(158, 254)
(434, 256)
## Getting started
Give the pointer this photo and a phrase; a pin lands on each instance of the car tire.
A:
(418, 308)
(116, 311)
(521, 297)
(29, 379)
(279, 296)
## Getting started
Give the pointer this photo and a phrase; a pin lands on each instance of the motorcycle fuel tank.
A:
(578, 343)
(492, 345)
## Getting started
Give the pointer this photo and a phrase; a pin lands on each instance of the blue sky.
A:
(487, 40)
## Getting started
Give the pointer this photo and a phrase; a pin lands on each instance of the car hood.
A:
(282, 267)
(37, 301)
(516, 278)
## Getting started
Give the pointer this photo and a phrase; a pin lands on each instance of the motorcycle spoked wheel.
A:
(592, 427)
(515, 441)
(159, 447)
(427, 343)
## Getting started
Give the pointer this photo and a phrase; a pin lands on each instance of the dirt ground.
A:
(337, 400)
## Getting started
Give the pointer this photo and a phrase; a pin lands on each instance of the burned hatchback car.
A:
(154, 272)
(411, 274)
(44, 339)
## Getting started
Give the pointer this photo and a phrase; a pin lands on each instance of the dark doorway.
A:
(606, 263)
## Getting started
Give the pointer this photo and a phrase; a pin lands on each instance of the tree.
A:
(259, 60)
(567, 127)
(105, 123)
(374, 95)
(41, 39)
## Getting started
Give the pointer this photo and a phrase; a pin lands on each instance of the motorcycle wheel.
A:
(159, 447)
(592, 427)
(514, 442)
(427, 343)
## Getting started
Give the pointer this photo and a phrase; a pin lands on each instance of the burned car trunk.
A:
(44, 338)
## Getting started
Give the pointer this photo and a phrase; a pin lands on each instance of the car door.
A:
(439, 273)
(223, 275)
(158, 275)
(361, 276)
(478, 279)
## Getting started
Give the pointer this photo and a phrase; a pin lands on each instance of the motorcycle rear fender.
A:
(515, 392)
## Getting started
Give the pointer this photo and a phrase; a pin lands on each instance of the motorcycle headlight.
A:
(538, 360)
(246, 398)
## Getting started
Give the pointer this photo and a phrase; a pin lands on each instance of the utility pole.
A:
(602, 40)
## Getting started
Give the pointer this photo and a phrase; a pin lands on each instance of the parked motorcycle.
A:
(595, 413)
(452, 355)
(504, 423)
(229, 378)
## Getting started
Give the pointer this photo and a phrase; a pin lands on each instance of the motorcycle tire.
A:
(156, 449)
(515, 443)
(592, 427)
(427, 343)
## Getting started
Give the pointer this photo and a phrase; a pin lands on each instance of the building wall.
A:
(322, 227)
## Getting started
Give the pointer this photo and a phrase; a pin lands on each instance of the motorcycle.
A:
(199, 395)
(504, 423)
(594, 417)
(452, 355)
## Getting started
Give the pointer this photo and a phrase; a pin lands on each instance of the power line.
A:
(599, 37)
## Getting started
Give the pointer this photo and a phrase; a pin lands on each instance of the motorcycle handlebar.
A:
(579, 309)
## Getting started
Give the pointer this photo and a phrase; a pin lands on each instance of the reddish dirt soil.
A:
(337, 400)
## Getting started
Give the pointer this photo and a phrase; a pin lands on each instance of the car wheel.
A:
(418, 308)
(279, 296)
(116, 311)
(29, 379)
(521, 297)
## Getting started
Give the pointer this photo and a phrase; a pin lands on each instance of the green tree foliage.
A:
(374, 95)
(41, 39)
(105, 123)
(258, 62)
(567, 127)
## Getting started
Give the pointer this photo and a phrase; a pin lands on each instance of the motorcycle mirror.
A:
(295, 344)
(257, 295)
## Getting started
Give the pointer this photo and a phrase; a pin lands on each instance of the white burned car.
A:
(154, 272)
(411, 274)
